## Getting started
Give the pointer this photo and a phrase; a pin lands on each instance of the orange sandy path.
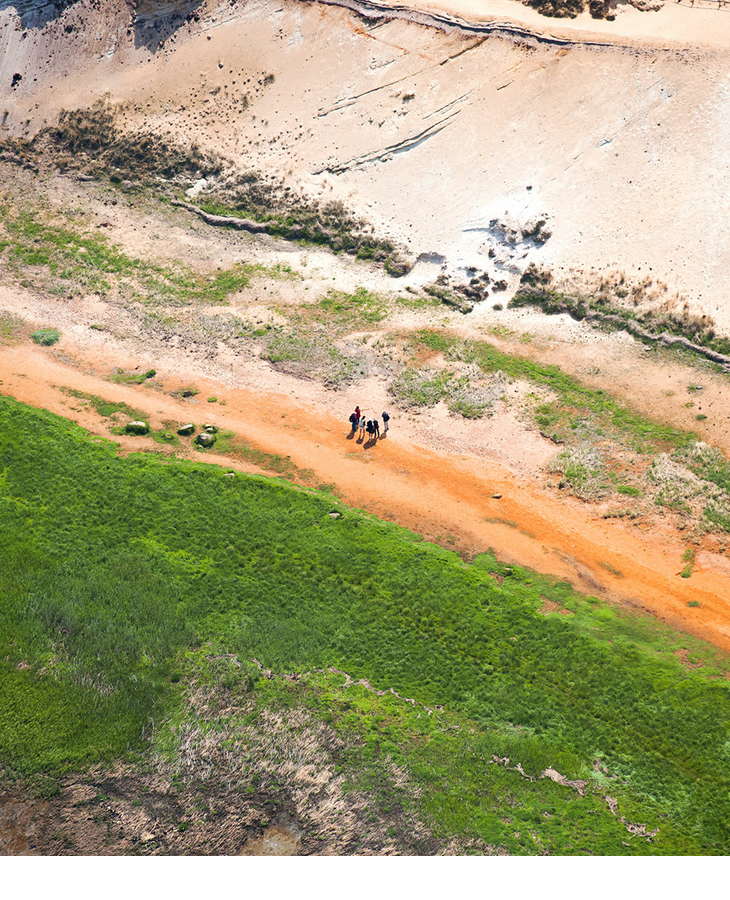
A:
(430, 493)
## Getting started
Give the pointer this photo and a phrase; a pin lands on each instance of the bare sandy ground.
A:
(434, 134)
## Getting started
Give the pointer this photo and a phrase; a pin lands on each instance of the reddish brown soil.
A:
(442, 497)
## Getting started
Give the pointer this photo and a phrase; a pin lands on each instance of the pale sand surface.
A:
(625, 150)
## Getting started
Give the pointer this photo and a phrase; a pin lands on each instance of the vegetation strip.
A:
(535, 290)
(225, 221)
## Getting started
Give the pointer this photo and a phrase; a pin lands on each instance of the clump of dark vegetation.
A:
(88, 140)
(131, 572)
(46, 337)
(449, 298)
(616, 304)
(559, 9)
(461, 295)
(297, 218)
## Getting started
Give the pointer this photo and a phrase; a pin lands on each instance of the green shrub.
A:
(46, 336)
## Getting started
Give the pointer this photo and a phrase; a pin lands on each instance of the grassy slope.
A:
(113, 569)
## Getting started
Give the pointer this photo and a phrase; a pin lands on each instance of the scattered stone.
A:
(205, 440)
(211, 429)
(137, 427)
(187, 393)
(335, 515)
(85, 178)
(497, 496)
(186, 430)
(146, 837)
(200, 185)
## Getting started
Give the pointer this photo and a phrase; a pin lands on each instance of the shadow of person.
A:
(370, 442)
(351, 435)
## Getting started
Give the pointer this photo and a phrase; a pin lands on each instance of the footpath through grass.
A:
(116, 569)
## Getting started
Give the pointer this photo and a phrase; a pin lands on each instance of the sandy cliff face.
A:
(456, 142)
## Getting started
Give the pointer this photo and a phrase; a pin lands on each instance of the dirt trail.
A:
(429, 492)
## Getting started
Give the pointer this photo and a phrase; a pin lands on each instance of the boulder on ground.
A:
(137, 427)
(186, 429)
(211, 429)
(205, 440)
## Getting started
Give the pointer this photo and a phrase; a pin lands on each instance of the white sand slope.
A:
(622, 149)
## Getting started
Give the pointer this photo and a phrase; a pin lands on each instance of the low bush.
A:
(46, 337)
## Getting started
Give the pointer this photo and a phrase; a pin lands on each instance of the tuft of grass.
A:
(360, 309)
(688, 557)
(122, 377)
(311, 354)
(108, 409)
(63, 260)
(612, 569)
(46, 337)
(10, 325)
(583, 472)
(465, 394)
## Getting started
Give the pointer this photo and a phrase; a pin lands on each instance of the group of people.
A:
(369, 426)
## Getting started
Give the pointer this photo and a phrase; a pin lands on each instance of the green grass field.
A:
(118, 573)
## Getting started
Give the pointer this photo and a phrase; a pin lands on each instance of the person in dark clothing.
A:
(376, 428)
(370, 429)
(386, 419)
(354, 420)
